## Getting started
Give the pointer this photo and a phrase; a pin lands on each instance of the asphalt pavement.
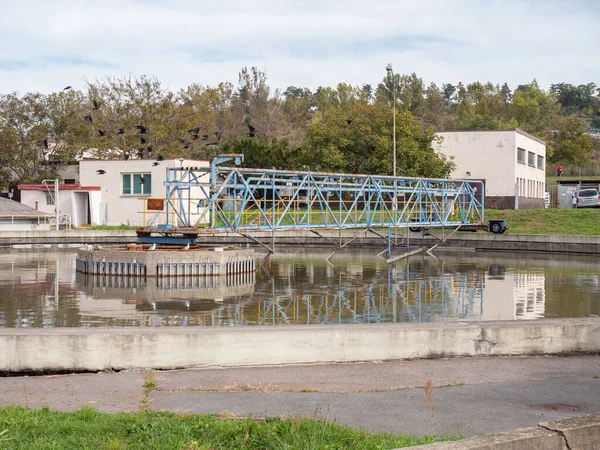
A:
(470, 395)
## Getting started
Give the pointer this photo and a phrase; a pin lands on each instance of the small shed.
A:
(16, 216)
(74, 201)
(568, 189)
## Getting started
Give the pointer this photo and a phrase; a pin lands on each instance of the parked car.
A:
(587, 198)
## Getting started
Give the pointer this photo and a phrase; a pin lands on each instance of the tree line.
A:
(343, 128)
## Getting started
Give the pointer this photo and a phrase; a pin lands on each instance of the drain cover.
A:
(555, 407)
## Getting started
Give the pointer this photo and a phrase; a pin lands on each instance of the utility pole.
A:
(391, 72)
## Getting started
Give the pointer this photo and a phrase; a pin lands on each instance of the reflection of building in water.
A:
(510, 296)
(161, 301)
(530, 298)
(37, 290)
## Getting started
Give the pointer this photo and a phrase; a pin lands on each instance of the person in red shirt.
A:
(559, 171)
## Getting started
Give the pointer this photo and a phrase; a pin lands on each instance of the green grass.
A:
(123, 226)
(557, 221)
(24, 428)
(550, 181)
(560, 221)
(149, 384)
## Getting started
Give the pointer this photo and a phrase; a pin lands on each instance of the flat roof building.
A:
(512, 164)
(124, 187)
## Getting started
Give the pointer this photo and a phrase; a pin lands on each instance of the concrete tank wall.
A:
(218, 261)
(169, 348)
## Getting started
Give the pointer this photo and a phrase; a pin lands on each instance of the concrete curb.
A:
(588, 245)
(581, 432)
(576, 433)
(87, 349)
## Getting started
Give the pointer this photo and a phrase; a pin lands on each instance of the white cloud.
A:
(52, 44)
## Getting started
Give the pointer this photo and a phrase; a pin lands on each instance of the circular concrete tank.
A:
(138, 260)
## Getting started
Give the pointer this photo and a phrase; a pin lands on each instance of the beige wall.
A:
(30, 198)
(492, 155)
(116, 208)
(532, 180)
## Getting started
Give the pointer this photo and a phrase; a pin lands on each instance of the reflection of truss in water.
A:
(447, 297)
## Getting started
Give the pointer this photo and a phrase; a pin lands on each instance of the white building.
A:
(126, 186)
(74, 201)
(510, 162)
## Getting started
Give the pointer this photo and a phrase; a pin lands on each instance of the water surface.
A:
(42, 289)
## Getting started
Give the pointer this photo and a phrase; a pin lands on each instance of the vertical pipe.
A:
(273, 213)
(167, 196)
(56, 202)
(235, 218)
(482, 202)
(394, 124)
(189, 208)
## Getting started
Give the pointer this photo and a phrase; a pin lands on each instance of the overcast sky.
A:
(46, 45)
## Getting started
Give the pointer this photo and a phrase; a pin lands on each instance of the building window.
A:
(137, 184)
(69, 181)
(49, 199)
(521, 155)
(522, 188)
(531, 159)
(540, 162)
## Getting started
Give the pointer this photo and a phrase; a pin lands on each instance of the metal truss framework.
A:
(271, 200)
(239, 200)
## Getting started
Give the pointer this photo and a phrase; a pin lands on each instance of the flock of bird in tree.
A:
(143, 132)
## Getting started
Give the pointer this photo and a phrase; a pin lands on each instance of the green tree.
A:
(38, 132)
(434, 110)
(215, 111)
(468, 119)
(127, 103)
(449, 94)
(533, 108)
(359, 140)
(262, 152)
(410, 91)
(573, 146)
(506, 94)
(297, 111)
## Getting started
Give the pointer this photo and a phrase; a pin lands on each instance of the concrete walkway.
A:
(471, 395)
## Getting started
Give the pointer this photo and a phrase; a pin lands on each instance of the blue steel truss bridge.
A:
(240, 200)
